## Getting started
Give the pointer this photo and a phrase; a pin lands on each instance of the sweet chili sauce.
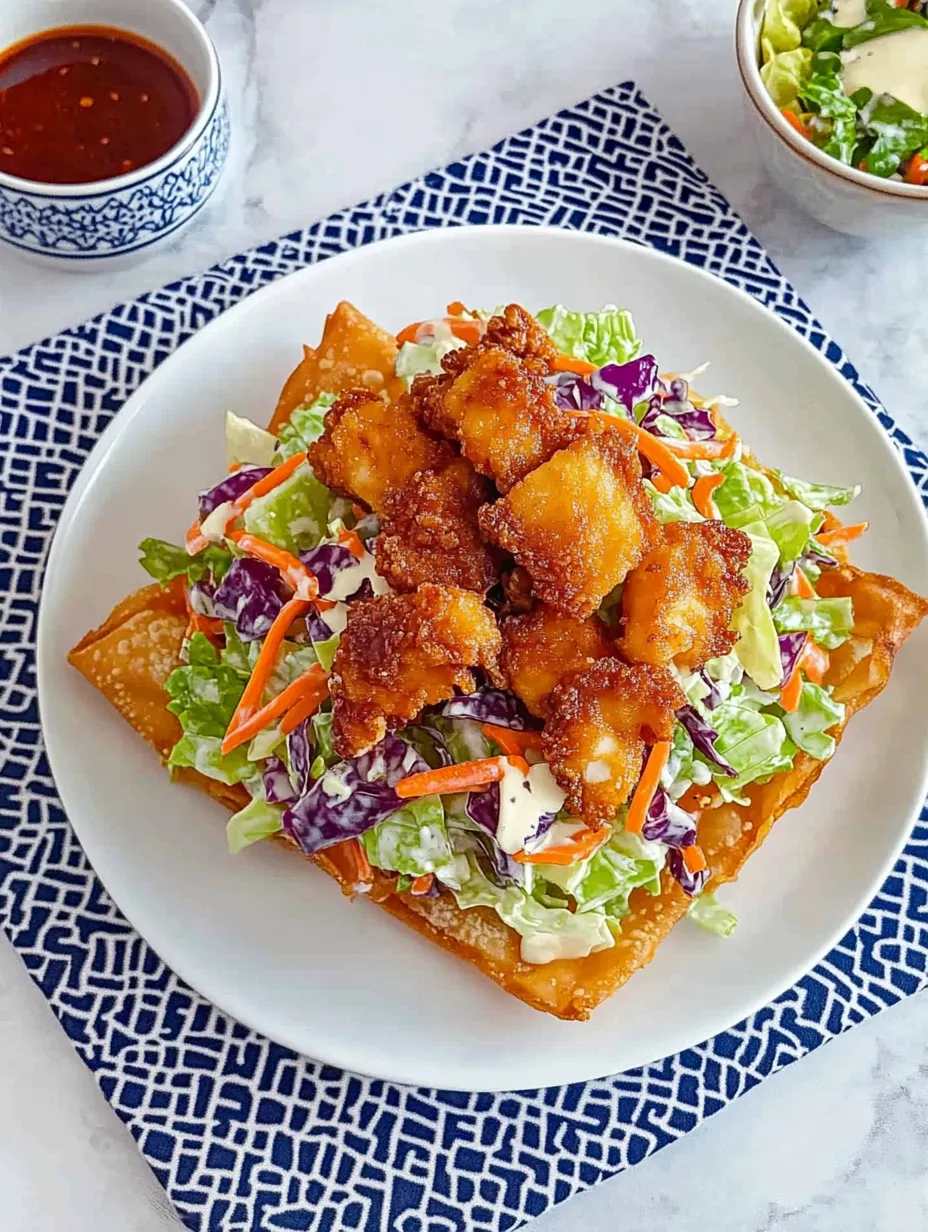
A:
(84, 103)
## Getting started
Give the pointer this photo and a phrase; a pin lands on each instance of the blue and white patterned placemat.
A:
(244, 1135)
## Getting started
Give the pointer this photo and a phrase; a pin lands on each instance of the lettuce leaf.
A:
(824, 93)
(816, 713)
(747, 496)
(414, 358)
(304, 426)
(204, 694)
(898, 131)
(783, 23)
(817, 496)
(883, 18)
(785, 74)
(684, 767)
(755, 743)
(708, 913)
(547, 933)
(294, 515)
(247, 444)
(828, 621)
(204, 754)
(606, 337)
(758, 648)
(608, 877)
(255, 821)
(673, 506)
(165, 561)
(413, 841)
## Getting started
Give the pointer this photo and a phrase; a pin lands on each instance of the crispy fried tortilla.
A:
(129, 657)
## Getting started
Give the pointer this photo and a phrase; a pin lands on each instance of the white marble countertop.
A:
(337, 100)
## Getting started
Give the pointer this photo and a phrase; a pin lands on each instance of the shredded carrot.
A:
(791, 691)
(301, 580)
(703, 488)
(464, 777)
(467, 331)
(841, 535)
(513, 743)
(801, 586)
(693, 858)
(194, 540)
(654, 448)
(661, 482)
(647, 786)
(567, 363)
(455, 308)
(350, 861)
(794, 122)
(237, 507)
(814, 661)
(703, 449)
(304, 707)
(585, 843)
(267, 656)
(348, 539)
(313, 683)
(917, 170)
(422, 885)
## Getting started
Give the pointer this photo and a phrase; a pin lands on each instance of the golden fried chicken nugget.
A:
(399, 653)
(598, 725)
(499, 409)
(370, 448)
(578, 523)
(543, 647)
(517, 331)
(678, 603)
(429, 531)
(352, 353)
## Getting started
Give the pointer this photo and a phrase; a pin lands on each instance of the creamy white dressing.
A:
(523, 802)
(541, 948)
(213, 526)
(558, 833)
(895, 64)
(335, 617)
(347, 581)
(847, 13)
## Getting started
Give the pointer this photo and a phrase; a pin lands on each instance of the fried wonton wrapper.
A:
(130, 655)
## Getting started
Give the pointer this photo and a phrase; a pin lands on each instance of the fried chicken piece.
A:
(677, 604)
(429, 531)
(517, 587)
(499, 409)
(399, 653)
(578, 523)
(517, 331)
(542, 648)
(370, 448)
(598, 725)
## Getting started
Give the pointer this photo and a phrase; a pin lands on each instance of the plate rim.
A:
(345, 1058)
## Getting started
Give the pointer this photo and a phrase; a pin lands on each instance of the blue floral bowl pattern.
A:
(117, 221)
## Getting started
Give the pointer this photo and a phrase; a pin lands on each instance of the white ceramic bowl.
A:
(86, 226)
(268, 937)
(841, 197)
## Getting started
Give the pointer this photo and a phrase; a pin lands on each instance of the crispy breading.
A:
(517, 331)
(599, 722)
(429, 531)
(544, 647)
(370, 449)
(677, 604)
(352, 353)
(499, 409)
(399, 653)
(578, 523)
(517, 587)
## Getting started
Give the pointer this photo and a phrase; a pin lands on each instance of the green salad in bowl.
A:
(852, 78)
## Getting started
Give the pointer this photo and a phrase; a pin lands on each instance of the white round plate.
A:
(270, 939)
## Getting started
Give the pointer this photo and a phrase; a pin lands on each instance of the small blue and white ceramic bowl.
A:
(91, 226)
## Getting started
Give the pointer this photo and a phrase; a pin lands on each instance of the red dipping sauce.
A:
(86, 103)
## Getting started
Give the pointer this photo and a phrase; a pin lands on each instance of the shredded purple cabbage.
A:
(300, 751)
(250, 596)
(482, 807)
(231, 488)
(364, 591)
(352, 796)
(201, 595)
(575, 393)
(666, 822)
(791, 647)
(497, 706)
(318, 630)
(704, 736)
(326, 561)
(278, 787)
(779, 583)
(714, 697)
(626, 383)
(690, 883)
(816, 555)
(696, 422)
